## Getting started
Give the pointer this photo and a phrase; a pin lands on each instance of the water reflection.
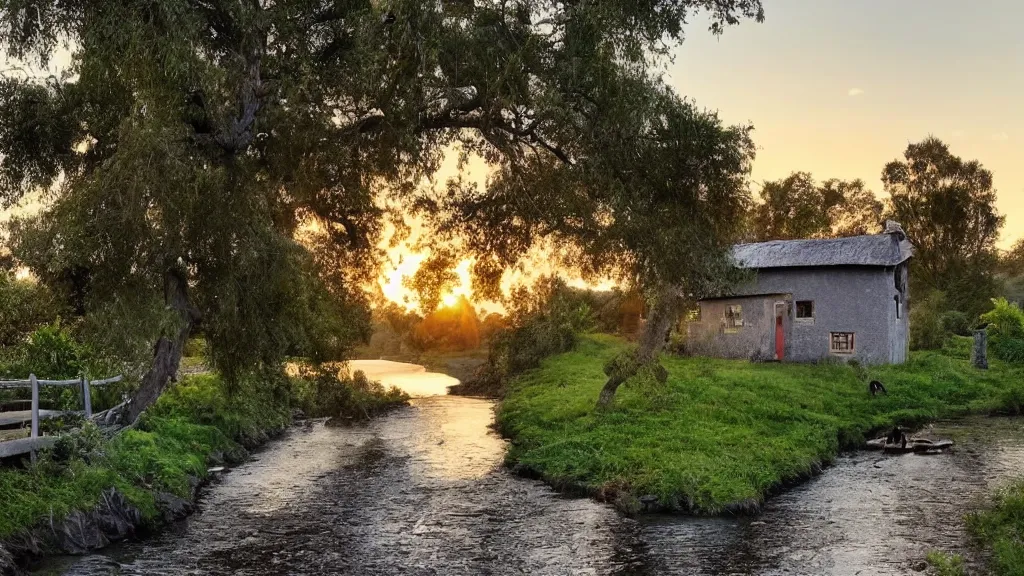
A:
(412, 378)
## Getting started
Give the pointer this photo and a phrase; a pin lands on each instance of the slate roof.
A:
(874, 250)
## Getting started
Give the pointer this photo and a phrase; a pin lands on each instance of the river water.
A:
(422, 492)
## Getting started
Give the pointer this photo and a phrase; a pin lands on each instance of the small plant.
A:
(944, 564)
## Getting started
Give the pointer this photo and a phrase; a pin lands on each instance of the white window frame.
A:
(803, 319)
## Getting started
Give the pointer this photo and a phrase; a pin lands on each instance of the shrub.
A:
(195, 348)
(955, 322)
(926, 332)
(1005, 320)
(1006, 330)
(324, 391)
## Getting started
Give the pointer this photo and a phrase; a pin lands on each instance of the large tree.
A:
(645, 187)
(797, 207)
(217, 161)
(947, 206)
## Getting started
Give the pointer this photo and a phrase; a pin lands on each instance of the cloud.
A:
(1000, 136)
(855, 91)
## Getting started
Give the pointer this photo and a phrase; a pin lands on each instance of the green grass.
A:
(725, 432)
(188, 423)
(999, 529)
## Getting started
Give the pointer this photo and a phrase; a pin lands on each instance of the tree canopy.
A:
(947, 206)
(218, 163)
(797, 207)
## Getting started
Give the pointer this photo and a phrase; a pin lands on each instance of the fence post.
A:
(35, 405)
(87, 397)
(35, 410)
(979, 352)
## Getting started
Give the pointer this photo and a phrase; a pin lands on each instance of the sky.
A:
(839, 88)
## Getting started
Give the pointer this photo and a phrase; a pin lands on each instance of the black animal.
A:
(875, 387)
(897, 436)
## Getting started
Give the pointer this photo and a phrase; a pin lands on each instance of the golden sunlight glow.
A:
(449, 300)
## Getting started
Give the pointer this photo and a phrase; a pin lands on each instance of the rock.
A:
(215, 459)
(172, 507)
(215, 470)
(7, 565)
(113, 519)
(298, 414)
(920, 566)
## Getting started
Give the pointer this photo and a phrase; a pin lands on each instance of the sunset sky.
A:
(838, 88)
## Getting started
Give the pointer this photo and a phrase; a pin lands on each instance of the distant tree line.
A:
(944, 203)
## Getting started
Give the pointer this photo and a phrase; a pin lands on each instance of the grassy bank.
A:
(194, 424)
(190, 422)
(999, 530)
(721, 434)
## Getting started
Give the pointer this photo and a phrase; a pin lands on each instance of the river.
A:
(422, 492)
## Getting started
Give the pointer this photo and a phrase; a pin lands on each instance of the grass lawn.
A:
(721, 434)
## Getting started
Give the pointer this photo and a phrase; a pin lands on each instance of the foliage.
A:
(24, 307)
(955, 322)
(723, 431)
(1006, 330)
(947, 207)
(946, 564)
(1005, 320)
(544, 320)
(926, 329)
(1000, 529)
(230, 163)
(453, 327)
(796, 207)
(194, 419)
(195, 347)
(325, 391)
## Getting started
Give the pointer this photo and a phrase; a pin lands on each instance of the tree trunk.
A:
(655, 332)
(167, 351)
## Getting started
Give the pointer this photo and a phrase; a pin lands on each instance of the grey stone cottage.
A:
(812, 299)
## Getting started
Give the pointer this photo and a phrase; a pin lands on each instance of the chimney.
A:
(893, 227)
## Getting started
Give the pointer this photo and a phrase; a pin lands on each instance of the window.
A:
(897, 299)
(733, 318)
(805, 309)
(841, 343)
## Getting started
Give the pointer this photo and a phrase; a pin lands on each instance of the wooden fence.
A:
(35, 441)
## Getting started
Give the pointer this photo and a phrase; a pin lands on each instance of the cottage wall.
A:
(857, 299)
(846, 299)
(754, 340)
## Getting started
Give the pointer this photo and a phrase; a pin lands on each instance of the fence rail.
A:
(35, 442)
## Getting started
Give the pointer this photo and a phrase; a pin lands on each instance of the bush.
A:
(955, 322)
(1006, 330)
(323, 391)
(195, 348)
(926, 331)
(1005, 320)
(543, 322)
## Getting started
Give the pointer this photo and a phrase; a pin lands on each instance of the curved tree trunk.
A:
(664, 313)
(167, 351)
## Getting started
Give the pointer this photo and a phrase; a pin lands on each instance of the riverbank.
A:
(999, 530)
(91, 490)
(721, 435)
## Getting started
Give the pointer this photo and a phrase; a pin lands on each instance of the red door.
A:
(780, 339)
